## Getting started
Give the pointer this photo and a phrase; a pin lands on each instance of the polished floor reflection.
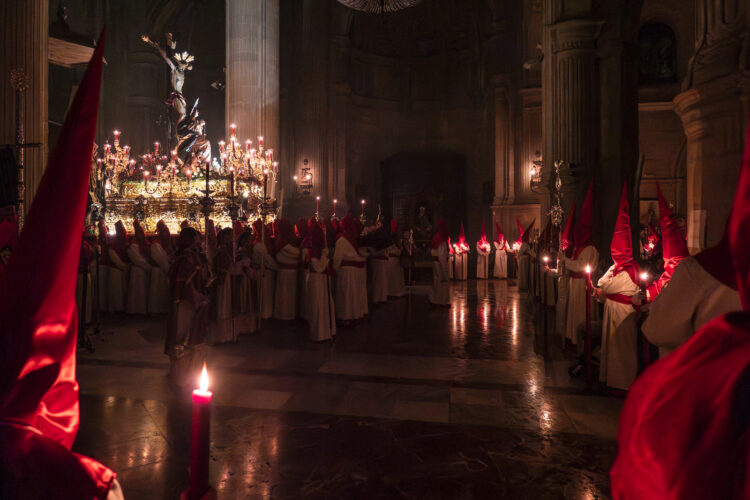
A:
(468, 402)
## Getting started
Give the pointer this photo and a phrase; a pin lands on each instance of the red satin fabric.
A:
(38, 385)
(500, 236)
(567, 242)
(739, 228)
(442, 234)
(621, 246)
(683, 431)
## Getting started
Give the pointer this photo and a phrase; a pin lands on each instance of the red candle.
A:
(260, 141)
(156, 148)
(231, 181)
(145, 177)
(234, 129)
(363, 207)
(200, 438)
(317, 204)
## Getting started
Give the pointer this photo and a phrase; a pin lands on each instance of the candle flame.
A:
(203, 383)
(546, 259)
(644, 276)
(588, 269)
(317, 198)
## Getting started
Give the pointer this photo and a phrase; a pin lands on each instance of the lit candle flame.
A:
(644, 276)
(203, 383)
(588, 269)
(546, 259)
(317, 198)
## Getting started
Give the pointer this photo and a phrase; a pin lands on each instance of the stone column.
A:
(252, 71)
(505, 183)
(572, 100)
(24, 31)
(713, 110)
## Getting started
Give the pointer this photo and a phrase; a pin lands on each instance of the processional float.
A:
(183, 182)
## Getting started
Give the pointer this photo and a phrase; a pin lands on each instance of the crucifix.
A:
(19, 81)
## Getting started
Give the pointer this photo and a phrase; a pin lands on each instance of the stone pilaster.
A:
(713, 110)
(252, 70)
(572, 98)
(24, 28)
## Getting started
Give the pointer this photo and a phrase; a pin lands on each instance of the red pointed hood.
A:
(394, 226)
(37, 293)
(521, 232)
(350, 230)
(568, 239)
(462, 236)
(500, 236)
(585, 225)
(442, 234)
(683, 432)
(139, 235)
(527, 232)
(285, 235)
(621, 246)
(164, 237)
(674, 246)
(483, 234)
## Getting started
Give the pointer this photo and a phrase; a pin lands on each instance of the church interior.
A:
(374, 248)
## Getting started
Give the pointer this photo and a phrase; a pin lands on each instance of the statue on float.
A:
(187, 130)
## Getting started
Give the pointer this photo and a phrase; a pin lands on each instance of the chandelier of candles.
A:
(159, 185)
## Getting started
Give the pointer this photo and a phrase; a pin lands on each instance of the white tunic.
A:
(379, 268)
(441, 286)
(396, 284)
(690, 299)
(619, 355)
(483, 262)
(577, 291)
(501, 261)
(460, 271)
(117, 283)
(158, 290)
(222, 327)
(285, 301)
(303, 291)
(265, 266)
(322, 317)
(351, 290)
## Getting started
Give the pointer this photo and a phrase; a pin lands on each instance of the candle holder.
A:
(588, 325)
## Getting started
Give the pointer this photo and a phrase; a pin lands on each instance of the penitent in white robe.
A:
(265, 267)
(379, 268)
(690, 299)
(501, 261)
(243, 314)
(351, 289)
(577, 290)
(140, 274)
(396, 284)
(440, 294)
(524, 267)
(322, 315)
(285, 301)
(117, 283)
(158, 289)
(483, 263)
(619, 354)
(303, 291)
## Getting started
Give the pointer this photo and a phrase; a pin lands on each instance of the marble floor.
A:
(469, 402)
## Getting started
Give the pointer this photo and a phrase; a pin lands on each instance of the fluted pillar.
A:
(573, 98)
(252, 70)
(713, 109)
(24, 31)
